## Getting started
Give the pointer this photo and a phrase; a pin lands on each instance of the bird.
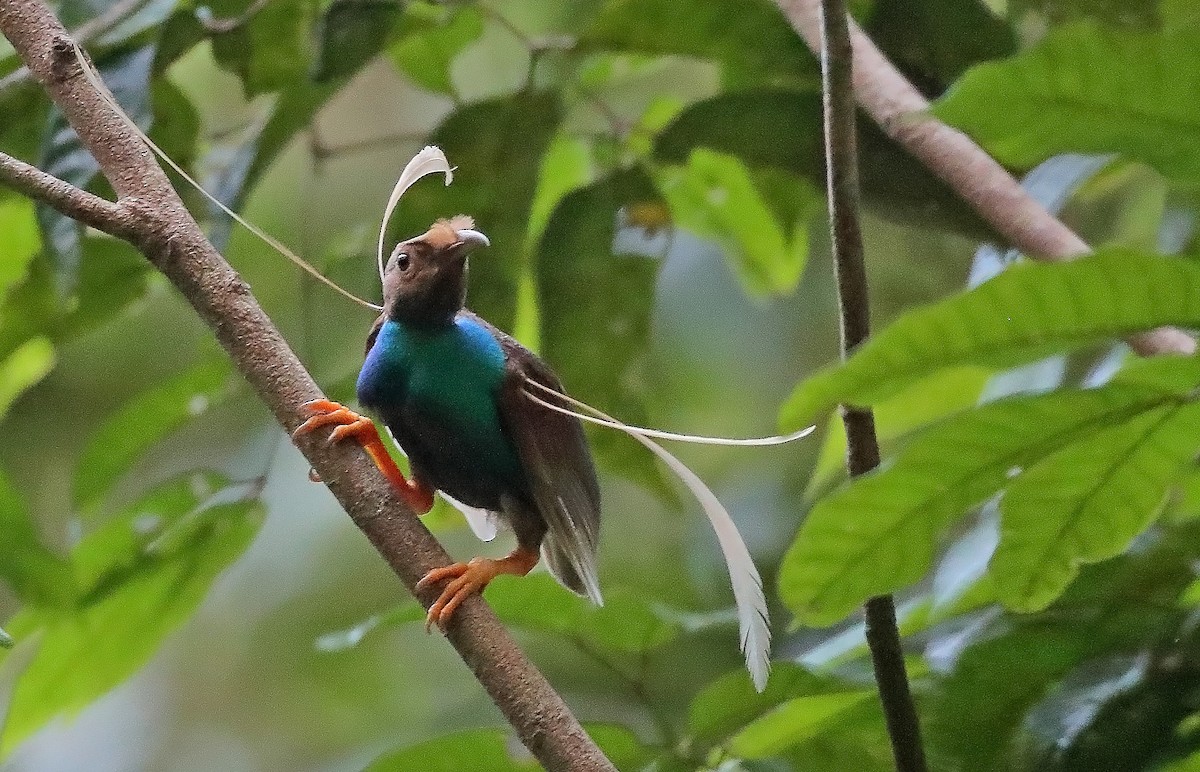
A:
(451, 389)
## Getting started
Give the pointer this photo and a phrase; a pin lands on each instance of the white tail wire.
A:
(753, 623)
(94, 79)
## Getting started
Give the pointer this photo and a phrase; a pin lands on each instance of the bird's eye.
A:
(402, 261)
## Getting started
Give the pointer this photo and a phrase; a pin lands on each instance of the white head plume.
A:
(430, 160)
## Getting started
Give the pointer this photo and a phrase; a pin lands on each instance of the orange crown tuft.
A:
(445, 232)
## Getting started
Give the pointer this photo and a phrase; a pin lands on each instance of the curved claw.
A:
(349, 424)
(469, 578)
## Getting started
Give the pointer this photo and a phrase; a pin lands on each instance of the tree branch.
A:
(151, 215)
(902, 113)
(862, 446)
(91, 210)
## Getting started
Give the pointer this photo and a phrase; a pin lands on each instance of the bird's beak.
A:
(469, 239)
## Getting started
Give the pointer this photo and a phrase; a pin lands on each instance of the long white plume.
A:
(696, 439)
(753, 623)
(104, 93)
(430, 160)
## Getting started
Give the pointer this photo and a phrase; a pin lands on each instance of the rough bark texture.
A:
(150, 215)
(900, 110)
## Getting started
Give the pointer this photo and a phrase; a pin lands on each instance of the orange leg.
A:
(350, 424)
(470, 578)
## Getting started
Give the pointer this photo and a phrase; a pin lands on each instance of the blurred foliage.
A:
(650, 180)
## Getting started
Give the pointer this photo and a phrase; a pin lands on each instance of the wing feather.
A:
(558, 468)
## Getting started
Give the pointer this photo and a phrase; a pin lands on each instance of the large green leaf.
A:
(597, 341)
(933, 41)
(794, 722)
(144, 420)
(271, 50)
(1004, 665)
(434, 36)
(751, 40)
(781, 129)
(34, 573)
(111, 276)
(1028, 312)
(879, 533)
(1088, 89)
(942, 394)
(350, 34)
(729, 704)
(143, 574)
(1087, 501)
(715, 196)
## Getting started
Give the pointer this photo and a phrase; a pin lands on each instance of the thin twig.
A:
(862, 446)
(902, 113)
(173, 242)
(89, 209)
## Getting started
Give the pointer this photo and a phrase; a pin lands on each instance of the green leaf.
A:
(24, 368)
(879, 533)
(941, 394)
(127, 75)
(148, 570)
(351, 34)
(597, 340)
(272, 50)
(781, 129)
(751, 40)
(714, 195)
(492, 750)
(794, 722)
(625, 623)
(21, 240)
(1087, 501)
(36, 575)
(437, 35)
(144, 420)
(1087, 89)
(111, 276)
(1028, 312)
(730, 703)
(935, 40)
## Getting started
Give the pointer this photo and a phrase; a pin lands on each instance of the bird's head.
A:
(425, 279)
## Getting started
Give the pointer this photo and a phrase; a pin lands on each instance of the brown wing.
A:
(558, 467)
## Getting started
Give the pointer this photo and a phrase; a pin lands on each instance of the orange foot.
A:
(350, 424)
(470, 578)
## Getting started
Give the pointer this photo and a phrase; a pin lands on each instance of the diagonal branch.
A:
(902, 112)
(152, 217)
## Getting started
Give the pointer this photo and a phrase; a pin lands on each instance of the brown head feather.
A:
(445, 232)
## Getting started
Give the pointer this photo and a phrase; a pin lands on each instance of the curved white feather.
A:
(753, 622)
(430, 160)
(484, 524)
(107, 96)
(693, 438)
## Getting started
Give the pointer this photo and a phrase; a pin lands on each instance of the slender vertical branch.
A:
(841, 153)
